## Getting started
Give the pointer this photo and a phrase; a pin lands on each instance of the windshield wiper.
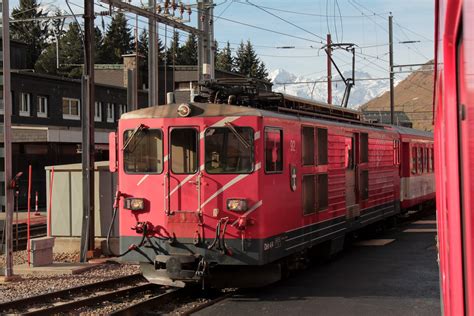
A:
(137, 129)
(237, 135)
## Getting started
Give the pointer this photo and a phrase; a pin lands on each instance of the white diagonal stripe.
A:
(142, 179)
(229, 184)
(253, 208)
(221, 123)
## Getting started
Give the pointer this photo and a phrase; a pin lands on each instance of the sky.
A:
(303, 24)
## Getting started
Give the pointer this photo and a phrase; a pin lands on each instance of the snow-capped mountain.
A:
(304, 87)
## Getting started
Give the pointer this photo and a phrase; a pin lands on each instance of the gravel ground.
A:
(34, 284)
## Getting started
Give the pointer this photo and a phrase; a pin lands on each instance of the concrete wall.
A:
(66, 211)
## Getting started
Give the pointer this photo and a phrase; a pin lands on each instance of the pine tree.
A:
(224, 59)
(143, 48)
(72, 52)
(33, 33)
(188, 52)
(173, 53)
(100, 53)
(247, 63)
(262, 72)
(47, 62)
(118, 39)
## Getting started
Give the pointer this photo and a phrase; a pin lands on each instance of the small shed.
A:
(66, 207)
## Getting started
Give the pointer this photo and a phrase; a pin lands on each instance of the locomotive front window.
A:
(184, 144)
(229, 150)
(143, 151)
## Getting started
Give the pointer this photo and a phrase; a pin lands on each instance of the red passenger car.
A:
(207, 188)
(454, 152)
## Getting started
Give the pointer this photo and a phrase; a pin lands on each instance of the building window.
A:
(110, 113)
(42, 106)
(273, 150)
(98, 111)
(122, 109)
(25, 102)
(71, 108)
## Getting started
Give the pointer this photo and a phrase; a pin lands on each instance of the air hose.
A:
(132, 246)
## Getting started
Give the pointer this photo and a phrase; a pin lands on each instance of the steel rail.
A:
(92, 300)
(47, 297)
(152, 302)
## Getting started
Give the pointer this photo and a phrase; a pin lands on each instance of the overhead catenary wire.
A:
(286, 21)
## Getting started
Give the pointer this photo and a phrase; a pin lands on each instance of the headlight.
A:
(237, 205)
(184, 110)
(134, 204)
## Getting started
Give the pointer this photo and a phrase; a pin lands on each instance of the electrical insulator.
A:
(189, 10)
(174, 5)
(158, 9)
(167, 6)
(181, 8)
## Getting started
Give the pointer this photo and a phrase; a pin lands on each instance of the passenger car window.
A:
(227, 152)
(273, 150)
(413, 159)
(144, 151)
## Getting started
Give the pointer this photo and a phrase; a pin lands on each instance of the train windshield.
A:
(229, 149)
(143, 152)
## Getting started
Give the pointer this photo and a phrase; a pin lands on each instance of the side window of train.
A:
(315, 193)
(413, 159)
(425, 159)
(432, 159)
(273, 150)
(307, 144)
(349, 152)
(419, 157)
(396, 152)
(322, 146)
(364, 147)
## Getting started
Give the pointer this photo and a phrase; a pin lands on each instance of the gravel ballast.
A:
(37, 283)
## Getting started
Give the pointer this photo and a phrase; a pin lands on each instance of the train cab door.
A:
(183, 179)
(350, 164)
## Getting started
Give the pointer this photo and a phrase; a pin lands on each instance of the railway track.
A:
(98, 293)
(35, 231)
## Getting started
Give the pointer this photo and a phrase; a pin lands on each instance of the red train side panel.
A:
(454, 150)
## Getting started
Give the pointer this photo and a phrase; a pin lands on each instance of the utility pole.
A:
(7, 143)
(153, 93)
(154, 17)
(392, 89)
(329, 67)
(88, 141)
(206, 40)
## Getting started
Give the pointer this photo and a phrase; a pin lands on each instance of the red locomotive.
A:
(454, 151)
(252, 178)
